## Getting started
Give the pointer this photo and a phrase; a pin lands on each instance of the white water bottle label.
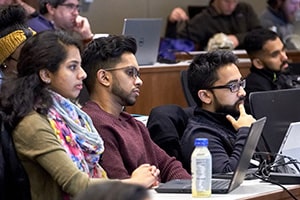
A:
(202, 174)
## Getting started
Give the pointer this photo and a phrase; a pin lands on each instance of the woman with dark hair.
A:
(55, 140)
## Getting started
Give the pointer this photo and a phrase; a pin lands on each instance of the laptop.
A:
(281, 107)
(290, 147)
(147, 32)
(223, 186)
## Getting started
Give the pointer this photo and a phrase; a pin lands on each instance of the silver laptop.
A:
(290, 148)
(223, 186)
(146, 31)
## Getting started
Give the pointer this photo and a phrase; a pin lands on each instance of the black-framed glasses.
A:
(234, 86)
(12, 58)
(71, 6)
(131, 71)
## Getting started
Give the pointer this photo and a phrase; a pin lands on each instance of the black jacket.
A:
(265, 80)
(224, 143)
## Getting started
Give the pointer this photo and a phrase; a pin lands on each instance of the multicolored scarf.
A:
(77, 134)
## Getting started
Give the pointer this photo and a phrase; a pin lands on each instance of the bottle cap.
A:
(202, 142)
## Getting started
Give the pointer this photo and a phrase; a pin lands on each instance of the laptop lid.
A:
(146, 31)
(281, 107)
(184, 186)
(290, 146)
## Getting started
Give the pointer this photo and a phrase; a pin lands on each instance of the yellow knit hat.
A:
(10, 42)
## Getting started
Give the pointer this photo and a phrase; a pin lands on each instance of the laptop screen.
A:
(146, 32)
(281, 107)
(290, 148)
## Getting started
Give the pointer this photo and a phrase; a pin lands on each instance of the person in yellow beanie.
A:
(13, 33)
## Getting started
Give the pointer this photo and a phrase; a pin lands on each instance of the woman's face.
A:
(67, 80)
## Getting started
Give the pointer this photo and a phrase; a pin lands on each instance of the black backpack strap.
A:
(15, 178)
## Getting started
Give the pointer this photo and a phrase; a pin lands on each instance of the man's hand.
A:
(83, 28)
(244, 119)
(178, 14)
(234, 40)
(146, 175)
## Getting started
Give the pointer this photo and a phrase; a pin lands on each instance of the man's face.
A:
(225, 7)
(64, 15)
(290, 9)
(273, 56)
(224, 100)
(125, 84)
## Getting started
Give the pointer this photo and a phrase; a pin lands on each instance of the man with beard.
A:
(113, 81)
(61, 14)
(270, 69)
(217, 87)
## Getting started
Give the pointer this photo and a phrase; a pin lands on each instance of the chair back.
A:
(186, 91)
(166, 125)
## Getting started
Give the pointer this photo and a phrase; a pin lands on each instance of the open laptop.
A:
(223, 186)
(290, 147)
(147, 32)
(281, 107)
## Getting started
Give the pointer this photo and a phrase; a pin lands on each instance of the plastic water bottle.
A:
(201, 169)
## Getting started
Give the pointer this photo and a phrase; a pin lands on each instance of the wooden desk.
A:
(249, 190)
(162, 85)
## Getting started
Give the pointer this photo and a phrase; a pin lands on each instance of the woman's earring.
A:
(48, 81)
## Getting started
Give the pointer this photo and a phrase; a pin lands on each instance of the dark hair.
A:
(12, 18)
(28, 92)
(256, 39)
(54, 3)
(202, 72)
(104, 53)
(114, 190)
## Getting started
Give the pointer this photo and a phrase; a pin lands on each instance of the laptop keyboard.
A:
(216, 184)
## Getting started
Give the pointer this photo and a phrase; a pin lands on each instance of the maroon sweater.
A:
(128, 145)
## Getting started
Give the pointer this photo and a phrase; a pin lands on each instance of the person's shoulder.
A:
(32, 117)
(91, 108)
(31, 124)
(40, 23)
(244, 7)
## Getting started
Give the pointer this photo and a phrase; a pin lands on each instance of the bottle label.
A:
(203, 174)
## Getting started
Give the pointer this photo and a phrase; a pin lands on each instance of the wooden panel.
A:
(161, 85)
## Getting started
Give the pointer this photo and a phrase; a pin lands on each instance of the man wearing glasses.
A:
(61, 14)
(217, 87)
(113, 81)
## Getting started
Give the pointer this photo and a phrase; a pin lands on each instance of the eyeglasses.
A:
(234, 86)
(72, 7)
(12, 58)
(131, 71)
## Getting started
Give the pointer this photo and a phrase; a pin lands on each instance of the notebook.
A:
(290, 146)
(223, 186)
(281, 107)
(147, 32)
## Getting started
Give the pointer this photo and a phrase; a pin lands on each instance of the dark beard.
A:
(230, 109)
